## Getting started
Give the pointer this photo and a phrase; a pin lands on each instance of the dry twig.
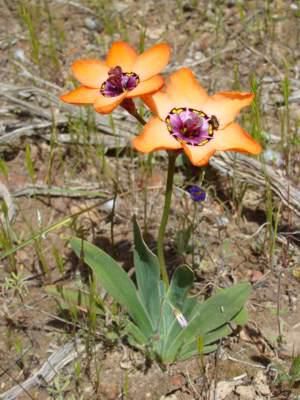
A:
(254, 172)
(58, 360)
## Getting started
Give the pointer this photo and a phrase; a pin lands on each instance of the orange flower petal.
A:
(105, 105)
(149, 86)
(159, 103)
(226, 105)
(122, 55)
(199, 155)
(155, 136)
(91, 73)
(152, 61)
(81, 95)
(182, 90)
(185, 91)
(234, 138)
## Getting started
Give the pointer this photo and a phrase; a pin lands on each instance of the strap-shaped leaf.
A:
(191, 349)
(76, 298)
(176, 304)
(191, 352)
(115, 281)
(181, 283)
(136, 334)
(241, 318)
(217, 334)
(174, 329)
(211, 314)
(173, 310)
(147, 275)
(209, 340)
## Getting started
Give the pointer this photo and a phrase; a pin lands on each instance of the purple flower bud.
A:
(196, 192)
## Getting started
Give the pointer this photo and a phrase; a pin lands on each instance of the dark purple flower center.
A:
(118, 82)
(191, 126)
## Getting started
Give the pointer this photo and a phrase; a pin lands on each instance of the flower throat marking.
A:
(191, 126)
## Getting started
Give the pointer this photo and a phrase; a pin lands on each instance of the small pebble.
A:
(199, 55)
(222, 221)
(273, 157)
(20, 55)
(92, 24)
(108, 206)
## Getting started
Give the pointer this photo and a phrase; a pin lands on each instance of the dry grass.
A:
(61, 166)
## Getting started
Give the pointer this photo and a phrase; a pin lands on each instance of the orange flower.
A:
(189, 119)
(124, 74)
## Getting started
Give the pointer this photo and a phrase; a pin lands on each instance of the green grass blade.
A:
(50, 228)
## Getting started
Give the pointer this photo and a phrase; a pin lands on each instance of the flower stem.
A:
(129, 106)
(138, 117)
(165, 215)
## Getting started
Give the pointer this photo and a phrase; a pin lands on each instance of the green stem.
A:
(172, 155)
(165, 215)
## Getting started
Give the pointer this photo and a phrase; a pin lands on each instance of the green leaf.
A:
(211, 315)
(174, 303)
(209, 342)
(174, 328)
(181, 283)
(191, 352)
(68, 298)
(136, 334)
(147, 275)
(217, 334)
(295, 370)
(241, 318)
(115, 281)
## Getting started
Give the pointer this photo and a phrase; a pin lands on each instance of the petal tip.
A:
(257, 149)
(105, 109)
(152, 61)
(79, 64)
(63, 97)
(183, 71)
(200, 155)
(90, 72)
(137, 144)
(68, 98)
(166, 48)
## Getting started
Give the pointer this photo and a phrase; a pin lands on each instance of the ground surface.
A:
(57, 160)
